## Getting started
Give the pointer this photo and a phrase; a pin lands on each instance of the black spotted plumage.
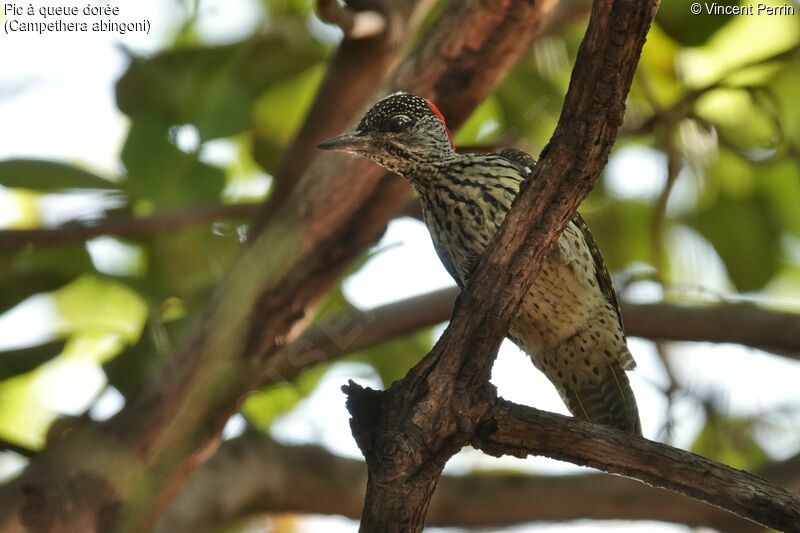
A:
(569, 322)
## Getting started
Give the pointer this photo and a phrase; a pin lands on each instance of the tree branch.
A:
(119, 475)
(354, 24)
(744, 324)
(408, 432)
(127, 227)
(9, 446)
(248, 476)
(740, 323)
(516, 430)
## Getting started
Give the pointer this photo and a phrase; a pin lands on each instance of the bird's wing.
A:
(525, 161)
(600, 270)
(448, 265)
(441, 252)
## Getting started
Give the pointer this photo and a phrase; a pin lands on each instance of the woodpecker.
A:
(569, 322)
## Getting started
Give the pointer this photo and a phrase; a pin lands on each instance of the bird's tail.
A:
(604, 396)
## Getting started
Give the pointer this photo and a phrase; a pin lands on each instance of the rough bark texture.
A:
(516, 430)
(121, 474)
(408, 432)
(225, 490)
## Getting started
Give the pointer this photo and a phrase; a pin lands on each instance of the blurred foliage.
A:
(717, 95)
(731, 441)
(48, 176)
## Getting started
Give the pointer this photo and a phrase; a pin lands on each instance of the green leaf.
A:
(162, 174)
(280, 110)
(740, 231)
(268, 153)
(37, 270)
(129, 370)
(92, 304)
(263, 407)
(20, 361)
(188, 264)
(212, 87)
(24, 418)
(743, 40)
(730, 441)
(657, 69)
(49, 176)
(622, 230)
(287, 8)
(738, 116)
(677, 20)
(483, 124)
(780, 184)
(533, 119)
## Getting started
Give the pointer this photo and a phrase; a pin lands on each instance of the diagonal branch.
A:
(509, 429)
(119, 475)
(408, 432)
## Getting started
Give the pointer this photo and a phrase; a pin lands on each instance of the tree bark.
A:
(509, 429)
(248, 476)
(408, 432)
(121, 474)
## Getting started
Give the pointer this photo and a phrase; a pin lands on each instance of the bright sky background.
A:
(57, 102)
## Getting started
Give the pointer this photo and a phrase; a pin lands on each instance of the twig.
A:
(8, 446)
(354, 24)
(138, 227)
(127, 227)
(682, 107)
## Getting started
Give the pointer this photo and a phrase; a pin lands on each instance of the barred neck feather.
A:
(464, 201)
(490, 178)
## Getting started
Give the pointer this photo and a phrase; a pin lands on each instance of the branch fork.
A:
(408, 432)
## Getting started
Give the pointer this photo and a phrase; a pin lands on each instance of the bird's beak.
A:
(348, 142)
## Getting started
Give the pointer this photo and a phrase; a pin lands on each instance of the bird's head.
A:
(402, 132)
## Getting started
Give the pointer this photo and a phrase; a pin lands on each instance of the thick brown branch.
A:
(409, 432)
(119, 475)
(247, 476)
(512, 429)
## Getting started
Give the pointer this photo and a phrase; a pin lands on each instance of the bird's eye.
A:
(397, 123)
